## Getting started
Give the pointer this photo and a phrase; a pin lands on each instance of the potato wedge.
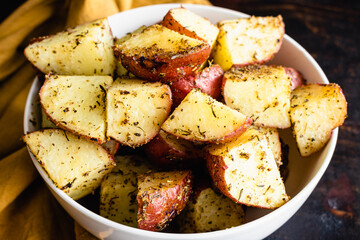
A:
(74, 164)
(247, 41)
(83, 50)
(261, 92)
(119, 189)
(245, 171)
(161, 197)
(200, 118)
(136, 109)
(191, 24)
(167, 151)
(158, 53)
(315, 111)
(77, 104)
(296, 77)
(209, 211)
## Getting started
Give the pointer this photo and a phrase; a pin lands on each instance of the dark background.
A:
(329, 31)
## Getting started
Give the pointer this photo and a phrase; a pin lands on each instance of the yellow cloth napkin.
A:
(27, 208)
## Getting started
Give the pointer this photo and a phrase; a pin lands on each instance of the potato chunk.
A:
(136, 109)
(210, 211)
(245, 171)
(161, 197)
(158, 53)
(261, 92)
(74, 164)
(200, 118)
(77, 104)
(246, 41)
(191, 24)
(315, 111)
(119, 189)
(83, 50)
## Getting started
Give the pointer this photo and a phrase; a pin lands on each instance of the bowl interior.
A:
(304, 173)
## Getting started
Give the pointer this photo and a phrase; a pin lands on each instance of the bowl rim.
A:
(293, 203)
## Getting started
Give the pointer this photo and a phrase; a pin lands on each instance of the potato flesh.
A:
(77, 103)
(192, 25)
(248, 173)
(315, 111)
(260, 92)
(75, 165)
(210, 211)
(136, 110)
(83, 50)
(247, 41)
(201, 118)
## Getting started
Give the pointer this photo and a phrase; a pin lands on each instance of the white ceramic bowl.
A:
(304, 174)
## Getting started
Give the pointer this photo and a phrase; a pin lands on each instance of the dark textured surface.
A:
(330, 32)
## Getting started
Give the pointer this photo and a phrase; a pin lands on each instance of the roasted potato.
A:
(191, 24)
(261, 92)
(200, 118)
(83, 50)
(315, 111)
(246, 41)
(208, 81)
(158, 53)
(245, 171)
(167, 151)
(162, 196)
(136, 109)
(74, 164)
(119, 189)
(208, 211)
(77, 104)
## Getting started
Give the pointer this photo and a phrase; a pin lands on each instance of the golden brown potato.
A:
(261, 92)
(315, 111)
(158, 53)
(167, 151)
(245, 171)
(191, 24)
(74, 164)
(136, 109)
(77, 104)
(83, 50)
(200, 118)
(209, 211)
(161, 197)
(246, 41)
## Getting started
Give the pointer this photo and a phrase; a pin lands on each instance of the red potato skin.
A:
(157, 208)
(160, 152)
(162, 67)
(296, 77)
(181, 87)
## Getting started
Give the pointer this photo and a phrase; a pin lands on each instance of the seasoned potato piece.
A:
(74, 164)
(77, 104)
(161, 197)
(167, 151)
(315, 111)
(261, 92)
(273, 138)
(191, 24)
(136, 109)
(83, 50)
(245, 171)
(246, 41)
(200, 118)
(210, 211)
(296, 77)
(158, 53)
(119, 189)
